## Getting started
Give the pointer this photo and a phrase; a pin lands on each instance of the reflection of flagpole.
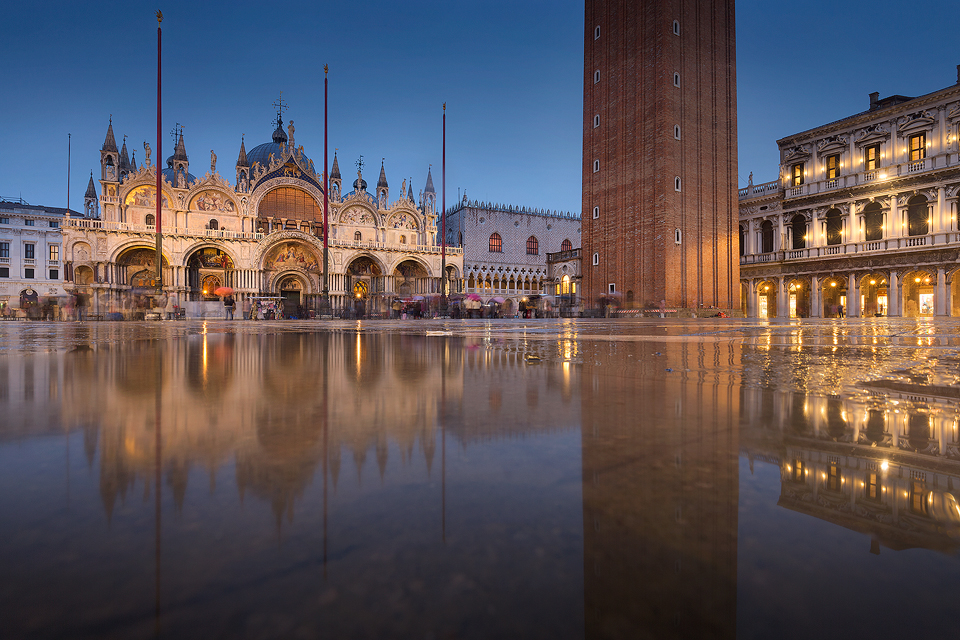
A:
(443, 448)
(156, 480)
(443, 219)
(326, 453)
(159, 198)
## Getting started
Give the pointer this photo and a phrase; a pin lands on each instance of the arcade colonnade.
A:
(907, 291)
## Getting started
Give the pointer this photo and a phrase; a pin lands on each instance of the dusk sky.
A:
(511, 74)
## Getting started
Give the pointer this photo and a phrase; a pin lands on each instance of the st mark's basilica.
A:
(262, 236)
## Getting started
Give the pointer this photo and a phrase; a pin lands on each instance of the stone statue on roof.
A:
(213, 162)
(147, 151)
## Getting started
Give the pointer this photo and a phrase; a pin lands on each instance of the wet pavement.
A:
(474, 479)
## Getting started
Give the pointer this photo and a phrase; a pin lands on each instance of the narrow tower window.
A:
(596, 166)
(596, 33)
(676, 79)
(596, 121)
(596, 212)
(677, 236)
(596, 76)
(676, 27)
(676, 183)
(676, 131)
(596, 258)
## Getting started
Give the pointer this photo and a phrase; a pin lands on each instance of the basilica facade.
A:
(261, 235)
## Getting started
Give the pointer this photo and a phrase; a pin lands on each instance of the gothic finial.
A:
(325, 69)
(159, 16)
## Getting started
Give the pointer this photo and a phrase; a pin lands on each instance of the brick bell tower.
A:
(660, 208)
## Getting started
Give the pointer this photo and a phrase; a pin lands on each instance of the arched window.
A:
(742, 248)
(533, 246)
(358, 237)
(766, 237)
(565, 286)
(918, 221)
(496, 243)
(566, 245)
(799, 228)
(403, 239)
(150, 220)
(873, 221)
(213, 224)
(834, 227)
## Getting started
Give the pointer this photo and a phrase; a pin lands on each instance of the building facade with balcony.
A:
(863, 220)
(261, 235)
(30, 256)
(506, 252)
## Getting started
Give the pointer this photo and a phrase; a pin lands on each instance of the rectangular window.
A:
(54, 252)
(798, 174)
(4, 249)
(872, 486)
(798, 471)
(29, 223)
(596, 33)
(833, 166)
(596, 121)
(28, 250)
(834, 479)
(871, 157)
(4, 220)
(918, 491)
(4, 272)
(54, 274)
(28, 274)
(54, 224)
(596, 76)
(918, 147)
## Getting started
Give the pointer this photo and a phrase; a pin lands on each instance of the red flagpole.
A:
(443, 219)
(325, 301)
(159, 197)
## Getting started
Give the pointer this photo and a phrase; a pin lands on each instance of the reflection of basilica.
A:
(262, 236)
(885, 464)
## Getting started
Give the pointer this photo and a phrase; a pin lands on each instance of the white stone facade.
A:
(863, 219)
(262, 236)
(519, 269)
(31, 248)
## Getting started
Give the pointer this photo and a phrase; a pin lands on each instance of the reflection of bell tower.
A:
(335, 180)
(383, 190)
(91, 208)
(660, 495)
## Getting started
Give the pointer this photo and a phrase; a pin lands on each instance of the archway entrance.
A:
(767, 299)
(138, 268)
(834, 297)
(364, 282)
(410, 277)
(873, 295)
(918, 294)
(208, 269)
(291, 293)
(798, 299)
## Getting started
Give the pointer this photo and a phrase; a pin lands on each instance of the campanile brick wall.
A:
(637, 54)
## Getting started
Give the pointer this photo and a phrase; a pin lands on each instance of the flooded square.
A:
(478, 479)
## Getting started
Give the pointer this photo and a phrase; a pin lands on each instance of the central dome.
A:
(261, 153)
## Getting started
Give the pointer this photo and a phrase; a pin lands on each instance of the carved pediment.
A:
(872, 134)
(796, 154)
(915, 122)
(953, 113)
(833, 144)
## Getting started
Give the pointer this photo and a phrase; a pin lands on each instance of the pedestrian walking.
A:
(228, 305)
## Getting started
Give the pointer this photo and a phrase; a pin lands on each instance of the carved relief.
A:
(210, 200)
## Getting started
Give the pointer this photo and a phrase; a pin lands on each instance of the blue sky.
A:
(510, 73)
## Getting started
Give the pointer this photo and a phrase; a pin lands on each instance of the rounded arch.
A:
(798, 297)
(291, 279)
(142, 194)
(408, 258)
(742, 243)
(566, 245)
(834, 224)
(873, 221)
(873, 295)
(359, 214)
(918, 216)
(275, 239)
(206, 244)
(121, 250)
(264, 188)
(137, 266)
(919, 293)
(496, 243)
(364, 263)
(834, 295)
(953, 286)
(798, 229)
(766, 236)
(404, 219)
(766, 299)
(211, 200)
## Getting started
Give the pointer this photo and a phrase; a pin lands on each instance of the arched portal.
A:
(834, 296)
(919, 294)
(138, 268)
(207, 270)
(292, 290)
(873, 295)
(767, 299)
(798, 298)
(410, 277)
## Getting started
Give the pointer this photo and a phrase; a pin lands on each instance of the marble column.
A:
(853, 296)
(893, 295)
(816, 305)
(940, 294)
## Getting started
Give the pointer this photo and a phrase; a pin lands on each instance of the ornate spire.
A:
(124, 157)
(91, 188)
(382, 182)
(133, 162)
(335, 170)
(109, 143)
(242, 158)
(410, 191)
(429, 188)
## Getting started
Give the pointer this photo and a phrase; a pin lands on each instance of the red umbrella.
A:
(222, 291)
